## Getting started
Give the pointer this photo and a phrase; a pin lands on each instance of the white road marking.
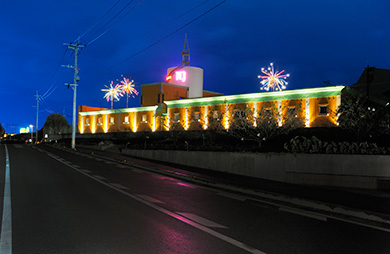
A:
(178, 217)
(232, 196)
(6, 225)
(98, 159)
(99, 177)
(18, 146)
(303, 213)
(109, 162)
(201, 220)
(120, 186)
(86, 171)
(150, 199)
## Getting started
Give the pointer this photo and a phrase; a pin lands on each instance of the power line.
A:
(115, 22)
(58, 66)
(167, 36)
(172, 20)
(116, 15)
(97, 22)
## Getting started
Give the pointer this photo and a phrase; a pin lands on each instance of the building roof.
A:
(256, 97)
(379, 85)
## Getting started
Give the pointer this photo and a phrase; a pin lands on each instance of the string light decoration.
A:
(273, 80)
(127, 86)
(112, 92)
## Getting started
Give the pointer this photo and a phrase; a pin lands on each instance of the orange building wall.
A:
(174, 92)
(83, 108)
(317, 120)
(149, 94)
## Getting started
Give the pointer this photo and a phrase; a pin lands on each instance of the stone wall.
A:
(349, 171)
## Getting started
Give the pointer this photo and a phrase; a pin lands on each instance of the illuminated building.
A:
(180, 103)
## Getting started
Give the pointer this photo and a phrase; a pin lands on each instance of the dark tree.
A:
(55, 124)
(360, 117)
(2, 131)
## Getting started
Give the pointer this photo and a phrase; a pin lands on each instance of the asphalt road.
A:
(63, 202)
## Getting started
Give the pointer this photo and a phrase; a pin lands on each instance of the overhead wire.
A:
(58, 66)
(97, 22)
(115, 22)
(168, 35)
(114, 17)
(172, 20)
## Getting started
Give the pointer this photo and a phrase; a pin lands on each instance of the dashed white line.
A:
(303, 213)
(117, 185)
(150, 199)
(201, 220)
(179, 217)
(99, 177)
(232, 196)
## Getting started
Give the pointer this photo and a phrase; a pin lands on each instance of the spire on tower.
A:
(185, 54)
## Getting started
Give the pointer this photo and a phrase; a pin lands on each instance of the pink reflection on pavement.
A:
(186, 185)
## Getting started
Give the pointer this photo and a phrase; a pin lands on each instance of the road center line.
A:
(174, 215)
(201, 220)
(303, 213)
(150, 199)
(6, 225)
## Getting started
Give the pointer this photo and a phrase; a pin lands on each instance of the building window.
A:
(323, 110)
(176, 117)
(126, 120)
(292, 112)
(112, 120)
(100, 121)
(196, 116)
(87, 122)
(144, 119)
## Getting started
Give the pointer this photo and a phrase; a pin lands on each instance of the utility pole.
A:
(75, 47)
(37, 96)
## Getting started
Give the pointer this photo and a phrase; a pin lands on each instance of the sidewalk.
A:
(369, 202)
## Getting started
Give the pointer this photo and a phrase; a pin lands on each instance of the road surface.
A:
(67, 202)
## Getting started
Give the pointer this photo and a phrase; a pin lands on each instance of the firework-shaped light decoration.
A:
(112, 92)
(273, 80)
(128, 88)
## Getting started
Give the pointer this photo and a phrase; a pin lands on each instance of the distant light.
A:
(169, 77)
(24, 130)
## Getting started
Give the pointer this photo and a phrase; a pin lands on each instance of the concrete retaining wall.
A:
(350, 171)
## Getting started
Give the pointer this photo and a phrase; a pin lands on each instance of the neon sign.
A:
(181, 76)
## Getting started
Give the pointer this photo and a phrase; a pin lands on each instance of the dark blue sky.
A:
(314, 41)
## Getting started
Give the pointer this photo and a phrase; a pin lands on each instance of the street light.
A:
(31, 130)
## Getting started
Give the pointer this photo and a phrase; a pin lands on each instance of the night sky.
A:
(314, 41)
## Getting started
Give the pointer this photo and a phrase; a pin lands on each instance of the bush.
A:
(301, 144)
